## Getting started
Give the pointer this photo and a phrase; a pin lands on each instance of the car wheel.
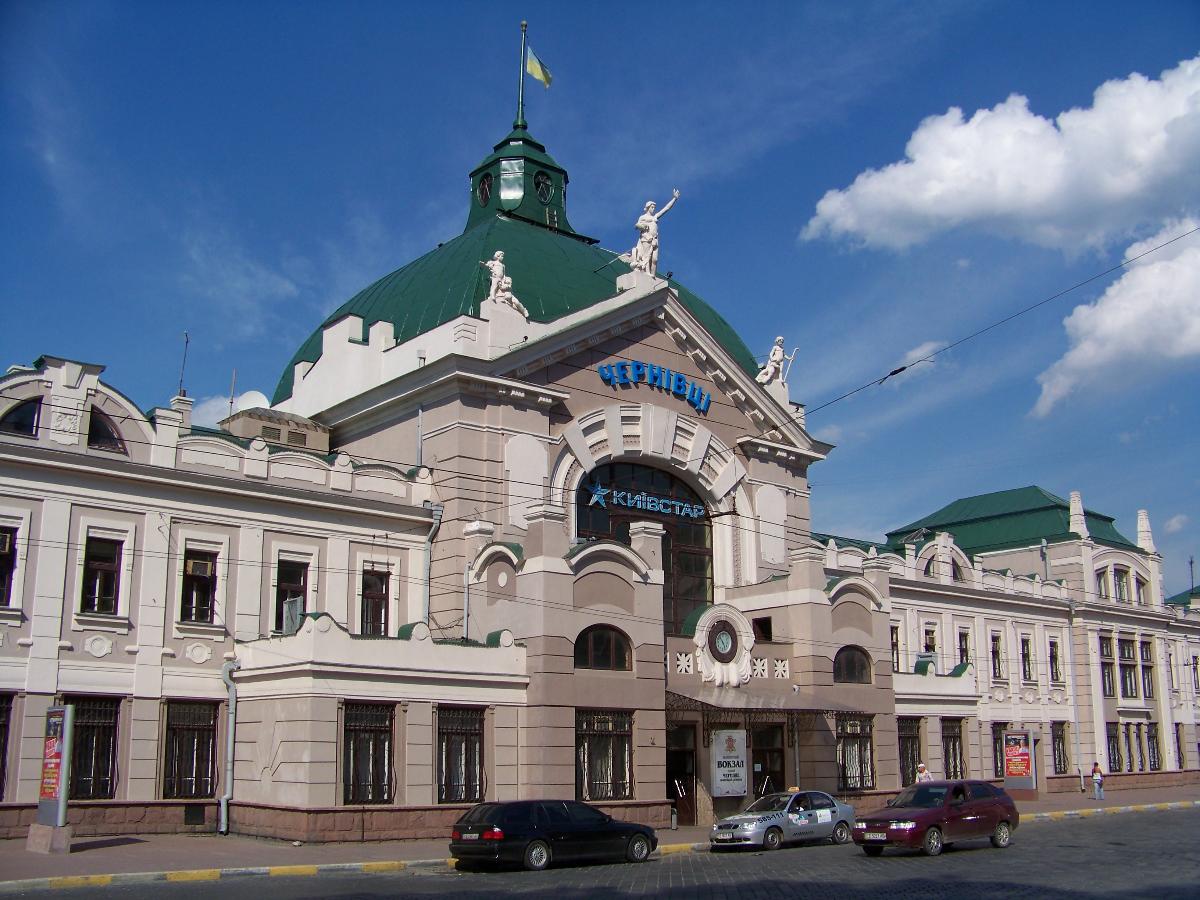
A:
(1002, 836)
(638, 849)
(537, 856)
(872, 851)
(841, 833)
(933, 842)
(772, 839)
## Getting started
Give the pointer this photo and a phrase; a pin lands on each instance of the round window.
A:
(484, 191)
(544, 186)
(722, 641)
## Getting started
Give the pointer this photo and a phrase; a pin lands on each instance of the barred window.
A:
(5, 718)
(998, 729)
(997, 656)
(603, 755)
(1128, 747)
(1180, 755)
(367, 747)
(855, 759)
(895, 648)
(1062, 763)
(101, 576)
(8, 563)
(374, 604)
(909, 732)
(1055, 662)
(952, 748)
(1027, 673)
(199, 586)
(94, 755)
(1152, 747)
(190, 748)
(1113, 735)
(460, 754)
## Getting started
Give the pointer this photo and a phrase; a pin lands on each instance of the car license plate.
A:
(875, 836)
(470, 837)
(724, 837)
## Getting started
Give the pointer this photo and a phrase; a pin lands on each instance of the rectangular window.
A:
(94, 755)
(1058, 732)
(1172, 682)
(1148, 682)
(1027, 673)
(1125, 649)
(101, 576)
(909, 731)
(1113, 734)
(8, 564)
(1146, 649)
(460, 754)
(1139, 591)
(603, 755)
(1152, 747)
(291, 583)
(375, 603)
(997, 656)
(762, 629)
(1129, 679)
(1055, 662)
(930, 640)
(1102, 584)
(855, 759)
(5, 718)
(998, 729)
(367, 730)
(1121, 584)
(199, 586)
(952, 748)
(1180, 759)
(190, 749)
(964, 647)
(1108, 679)
(1106, 647)
(895, 648)
(1196, 673)
(1141, 747)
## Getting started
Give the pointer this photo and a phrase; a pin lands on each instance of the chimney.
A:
(182, 404)
(1145, 535)
(1078, 524)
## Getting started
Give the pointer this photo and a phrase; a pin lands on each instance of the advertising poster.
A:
(1020, 762)
(729, 763)
(52, 754)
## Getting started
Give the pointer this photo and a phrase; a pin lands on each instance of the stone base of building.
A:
(1122, 781)
(107, 817)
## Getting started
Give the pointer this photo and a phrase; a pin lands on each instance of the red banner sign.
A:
(52, 755)
(1017, 762)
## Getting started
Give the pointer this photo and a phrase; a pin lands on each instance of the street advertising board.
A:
(56, 766)
(729, 763)
(1020, 772)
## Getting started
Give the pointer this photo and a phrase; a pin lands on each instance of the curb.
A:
(380, 867)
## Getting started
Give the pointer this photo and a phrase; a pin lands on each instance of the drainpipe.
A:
(436, 509)
(1075, 700)
(466, 598)
(227, 671)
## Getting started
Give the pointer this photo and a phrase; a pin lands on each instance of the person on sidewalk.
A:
(923, 774)
(1097, 782)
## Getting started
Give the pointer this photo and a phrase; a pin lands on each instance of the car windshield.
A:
(922, 795)
(769, 804)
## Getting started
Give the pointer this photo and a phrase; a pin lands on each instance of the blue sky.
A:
(871, 180)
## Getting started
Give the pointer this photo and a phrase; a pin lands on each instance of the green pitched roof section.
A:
(555, 273)
(1002, 520)
(1185, 598)
(839, 541)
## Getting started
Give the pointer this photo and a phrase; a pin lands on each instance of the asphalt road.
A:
(1153, 854)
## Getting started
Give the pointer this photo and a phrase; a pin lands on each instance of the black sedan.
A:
(538, 832)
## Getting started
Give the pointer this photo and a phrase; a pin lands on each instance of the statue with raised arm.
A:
(773, 370)
(505, 295)
(495, 267)
(644, 255)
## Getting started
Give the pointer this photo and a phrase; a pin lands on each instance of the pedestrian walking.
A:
(1097, 782)
(923, 774)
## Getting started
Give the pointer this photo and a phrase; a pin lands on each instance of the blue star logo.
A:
(598, 495)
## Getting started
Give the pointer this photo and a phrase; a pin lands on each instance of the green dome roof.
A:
(555, 272)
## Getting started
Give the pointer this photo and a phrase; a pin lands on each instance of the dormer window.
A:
(483, 193)
(544, 187)
(103, 433)
(22, 418)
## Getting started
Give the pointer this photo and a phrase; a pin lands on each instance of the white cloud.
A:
(1175, 524)
(211, 410)
(243, 288)
(1088, 177)
(1147, 318)
(915, 362)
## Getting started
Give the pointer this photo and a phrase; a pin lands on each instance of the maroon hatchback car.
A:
(932, 815)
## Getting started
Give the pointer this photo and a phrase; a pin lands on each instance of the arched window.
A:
(22, 418)
(602, 647)
(929, 565)
(103, 433)
(852, 666)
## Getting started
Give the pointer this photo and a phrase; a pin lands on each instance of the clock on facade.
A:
(544, 186)
(484, 191)
(722, 641)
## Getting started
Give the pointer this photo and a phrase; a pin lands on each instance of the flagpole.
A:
(520, 122)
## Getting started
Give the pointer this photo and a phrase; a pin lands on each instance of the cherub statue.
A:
(495, 267)
(644, 255)
(773, 370)
(505, 295)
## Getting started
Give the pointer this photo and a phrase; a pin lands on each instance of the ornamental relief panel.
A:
(724, 639)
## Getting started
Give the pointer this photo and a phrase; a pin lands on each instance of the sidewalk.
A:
(183, 857)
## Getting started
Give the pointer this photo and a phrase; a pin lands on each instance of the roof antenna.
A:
(520, 122)
(183, 365)
(232, 390)
(1192, 572)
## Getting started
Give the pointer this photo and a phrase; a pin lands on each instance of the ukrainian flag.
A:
(536, 67)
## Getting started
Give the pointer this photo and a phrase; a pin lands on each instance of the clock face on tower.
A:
(722, 641)
(483, 192)
(544, 186)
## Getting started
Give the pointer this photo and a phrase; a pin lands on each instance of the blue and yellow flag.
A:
(536, 67)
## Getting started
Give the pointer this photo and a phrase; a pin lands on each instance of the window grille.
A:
(1113, 734)
(952, 749)
(1128, 747)
(603, 755)
(190, 765)
(101, 576)
(1058, 731)
(909, 732)
(855, 759)
(1152, 747)
(94, 755)
(998, 729)
(367, 774)
(460, 754)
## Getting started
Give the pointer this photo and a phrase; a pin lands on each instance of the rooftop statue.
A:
(505, 295)
(773, 370)
(495, 267)
(644, 255)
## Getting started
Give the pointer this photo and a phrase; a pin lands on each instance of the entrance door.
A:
(681, 771)
(767, 759)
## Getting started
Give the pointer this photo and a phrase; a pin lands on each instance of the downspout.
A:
(1074, 693)
(227, 671)
(466, 598)
(436, 509)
